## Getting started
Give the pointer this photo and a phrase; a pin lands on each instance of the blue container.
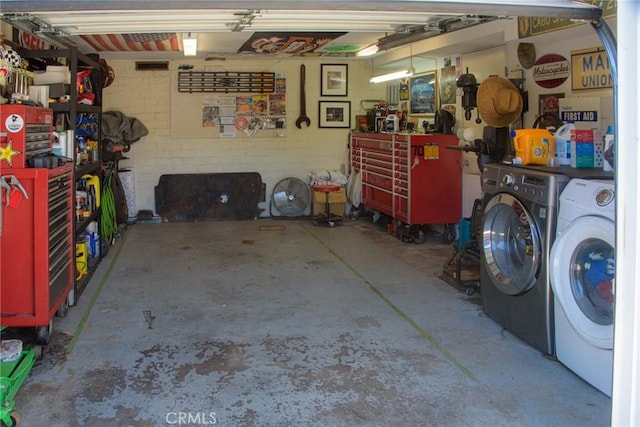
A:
(464, 233)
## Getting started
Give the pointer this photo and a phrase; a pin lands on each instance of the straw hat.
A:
(499, 102)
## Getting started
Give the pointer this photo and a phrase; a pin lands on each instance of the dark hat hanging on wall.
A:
(499, 102)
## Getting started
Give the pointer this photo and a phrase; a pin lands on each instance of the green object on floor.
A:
(12, 375)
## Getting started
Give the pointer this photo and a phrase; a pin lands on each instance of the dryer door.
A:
(511, 244)
(582, 277)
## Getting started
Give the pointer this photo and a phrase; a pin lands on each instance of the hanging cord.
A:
(108, 219)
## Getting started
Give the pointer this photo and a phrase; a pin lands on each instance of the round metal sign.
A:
(551, 71)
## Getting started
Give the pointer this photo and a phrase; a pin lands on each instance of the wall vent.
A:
(152, 65)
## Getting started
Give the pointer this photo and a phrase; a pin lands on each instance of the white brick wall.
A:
(146, 95)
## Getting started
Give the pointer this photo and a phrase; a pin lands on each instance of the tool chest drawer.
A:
(27, 131)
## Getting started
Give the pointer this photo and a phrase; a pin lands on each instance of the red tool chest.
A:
(36, 255)
(412, 178)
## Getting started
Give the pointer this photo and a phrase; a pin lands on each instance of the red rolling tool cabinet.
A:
(36, 256)
(413, 178)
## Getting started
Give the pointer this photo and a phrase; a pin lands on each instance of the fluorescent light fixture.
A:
(392, 76)
(368, 51)
(189, 44)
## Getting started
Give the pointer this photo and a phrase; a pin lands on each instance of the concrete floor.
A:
(223, 323)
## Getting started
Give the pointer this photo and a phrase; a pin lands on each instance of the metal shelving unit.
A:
(77, 62)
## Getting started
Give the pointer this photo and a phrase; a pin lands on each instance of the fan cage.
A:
(291, 197)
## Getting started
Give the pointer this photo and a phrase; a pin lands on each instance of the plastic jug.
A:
(94, 181)
(392, 123)
(533, 146)
(563, 143)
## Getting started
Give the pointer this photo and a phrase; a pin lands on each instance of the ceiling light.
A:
(368, 51)
(189, 44)
(393, 76)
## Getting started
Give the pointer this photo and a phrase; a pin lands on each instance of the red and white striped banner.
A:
(142, 42)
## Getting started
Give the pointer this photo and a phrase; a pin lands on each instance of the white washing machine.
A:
(582, 280)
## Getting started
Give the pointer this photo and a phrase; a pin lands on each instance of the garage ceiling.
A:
(152, 29)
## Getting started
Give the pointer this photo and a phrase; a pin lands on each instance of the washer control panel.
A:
(537, 186)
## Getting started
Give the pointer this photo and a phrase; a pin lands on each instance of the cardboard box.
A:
(335, 208)
(586, 148)
(337, 202)
(339, 196)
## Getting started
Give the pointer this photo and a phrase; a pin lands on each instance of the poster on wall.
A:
(260, 104)
(278, 104)
(422, 88)
(448, 85)
(286, 42)
(549, 104)
(244, 105)
(281, 84)
(210, 113)
(210, 116)
(227, 117)
(403, 92)
(227, 127)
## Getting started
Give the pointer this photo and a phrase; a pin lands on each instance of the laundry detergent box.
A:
(586, 148)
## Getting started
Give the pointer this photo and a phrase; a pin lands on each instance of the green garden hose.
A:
(108, 221)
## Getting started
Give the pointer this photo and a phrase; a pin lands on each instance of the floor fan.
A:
(291, 197)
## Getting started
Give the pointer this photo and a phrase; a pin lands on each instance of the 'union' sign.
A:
(590, 69)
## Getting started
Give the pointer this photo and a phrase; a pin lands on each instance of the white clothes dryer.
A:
(582, 280)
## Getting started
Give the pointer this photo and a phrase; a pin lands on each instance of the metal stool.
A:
(326, 217)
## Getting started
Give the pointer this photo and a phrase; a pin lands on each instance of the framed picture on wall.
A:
(334, 79)
(447, 85)
(549, 105)
(423, 92)
(334, 114)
